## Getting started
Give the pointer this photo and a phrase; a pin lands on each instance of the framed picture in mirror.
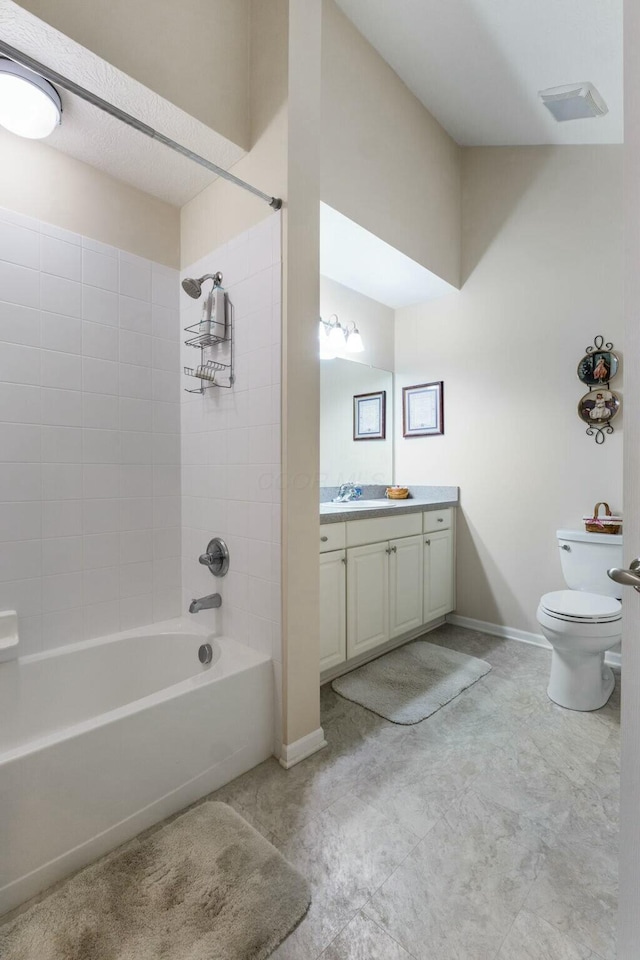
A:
(423, 410)
(369, 416)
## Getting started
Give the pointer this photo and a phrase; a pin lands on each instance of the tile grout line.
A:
(319, 956)
(511, 926)
(376, 924)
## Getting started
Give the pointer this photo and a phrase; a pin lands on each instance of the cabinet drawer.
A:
(435, 520)
(360, 532)
(332, 536)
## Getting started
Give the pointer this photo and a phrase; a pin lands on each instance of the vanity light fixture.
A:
(354, 340)
(326, 350)
(336, 339)
(29, 105)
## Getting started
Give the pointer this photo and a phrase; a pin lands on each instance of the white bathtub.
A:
(101, 739)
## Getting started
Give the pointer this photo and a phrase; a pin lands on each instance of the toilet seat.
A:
(578, 606)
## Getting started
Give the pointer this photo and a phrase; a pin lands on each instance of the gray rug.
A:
(205, 887)
(412, 682)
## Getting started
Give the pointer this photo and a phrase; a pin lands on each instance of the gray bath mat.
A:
(205, 887)
(412, 682)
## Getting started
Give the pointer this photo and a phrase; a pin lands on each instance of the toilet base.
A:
(580, 681)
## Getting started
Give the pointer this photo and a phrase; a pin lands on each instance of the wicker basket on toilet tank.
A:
(603, 524)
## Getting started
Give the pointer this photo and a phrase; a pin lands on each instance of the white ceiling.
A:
(352, 256)
(477, 65)
(104, 142)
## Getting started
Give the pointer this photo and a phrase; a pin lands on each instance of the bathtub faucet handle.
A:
(216, 558)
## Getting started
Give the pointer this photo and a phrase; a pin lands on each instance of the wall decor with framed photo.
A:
(599, 405)
(370, 415)
(423, 410)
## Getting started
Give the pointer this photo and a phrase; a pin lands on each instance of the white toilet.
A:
(583, 622)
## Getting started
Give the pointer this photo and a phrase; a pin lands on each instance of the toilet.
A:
(583, 622)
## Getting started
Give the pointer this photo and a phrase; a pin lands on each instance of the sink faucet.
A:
(205, 603)
(348, 491)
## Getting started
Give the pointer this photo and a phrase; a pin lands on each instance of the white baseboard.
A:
(512, 633)
(292, 753)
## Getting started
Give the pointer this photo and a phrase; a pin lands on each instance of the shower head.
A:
(194, 287)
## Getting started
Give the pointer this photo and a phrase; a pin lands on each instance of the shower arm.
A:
(61, 81)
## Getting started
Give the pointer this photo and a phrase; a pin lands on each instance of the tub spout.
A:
(205, 603)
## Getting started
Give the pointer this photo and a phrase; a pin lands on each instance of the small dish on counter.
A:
(397, 493)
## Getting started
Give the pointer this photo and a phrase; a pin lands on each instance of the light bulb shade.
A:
(336, 338)
(354, 342)
(29, 105)
(326, 350)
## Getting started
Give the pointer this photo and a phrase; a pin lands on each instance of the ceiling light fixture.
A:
(573, 101)
(29, 105)
(336, 339)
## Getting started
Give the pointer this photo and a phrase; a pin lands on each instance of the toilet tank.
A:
(585, 559)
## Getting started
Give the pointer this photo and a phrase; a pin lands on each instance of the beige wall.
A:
(222, 211)
(386, 162)
(42, 182)
(301, 378)
(543, 266)
(193, 53)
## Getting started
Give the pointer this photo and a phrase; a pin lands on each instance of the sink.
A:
(358, 505)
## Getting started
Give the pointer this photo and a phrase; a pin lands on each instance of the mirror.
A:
(341, 457)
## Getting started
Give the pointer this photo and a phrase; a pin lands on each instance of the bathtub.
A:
(101, 739)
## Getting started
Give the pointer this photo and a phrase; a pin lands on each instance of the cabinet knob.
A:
(344, 560)
(427, 542)
(388, 550)
(323, 539)
(394, 549)
(440, 519)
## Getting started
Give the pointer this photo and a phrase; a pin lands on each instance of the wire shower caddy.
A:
(218, 334)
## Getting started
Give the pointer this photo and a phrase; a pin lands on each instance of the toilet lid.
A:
(579, 605)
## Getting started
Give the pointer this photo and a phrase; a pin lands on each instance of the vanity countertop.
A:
(434, 499)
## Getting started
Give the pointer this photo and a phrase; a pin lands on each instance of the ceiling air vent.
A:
(574, 101)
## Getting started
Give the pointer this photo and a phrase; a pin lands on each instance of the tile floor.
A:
(486, 832)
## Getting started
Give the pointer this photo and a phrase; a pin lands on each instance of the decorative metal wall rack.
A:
(213, 334)
(599, 406)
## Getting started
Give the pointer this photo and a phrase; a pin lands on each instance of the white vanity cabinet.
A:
(367, 597)
(381, 580)
(438, 590)
(333, 613)
(405, 585)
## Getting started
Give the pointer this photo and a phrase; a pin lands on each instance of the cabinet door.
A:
(438, 574)
(405, 585)
(367, 597)
(333, 609)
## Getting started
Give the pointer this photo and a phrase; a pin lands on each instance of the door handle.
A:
(630, 577)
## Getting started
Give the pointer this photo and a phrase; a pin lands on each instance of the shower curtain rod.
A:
(59, 80)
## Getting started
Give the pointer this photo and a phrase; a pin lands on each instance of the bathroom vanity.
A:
(387, 572)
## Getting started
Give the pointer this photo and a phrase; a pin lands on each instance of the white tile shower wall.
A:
(89, 436)
(231, 448)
